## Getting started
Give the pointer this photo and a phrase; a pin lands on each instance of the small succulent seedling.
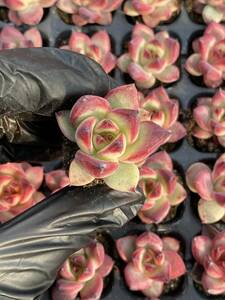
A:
(209, 252)
(151, 262)
(112, 138)
(19, 184)
(11, 37)
(211, 10)
(97, 47)
(89, 11)
(83, 273)
(208, 59)
(209, 185)
(150, 57)
(161, 188)
(26, 11)
(209, 117)
(152, 11)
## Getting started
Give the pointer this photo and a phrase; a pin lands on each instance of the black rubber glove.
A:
(34, 83)
(35, 244)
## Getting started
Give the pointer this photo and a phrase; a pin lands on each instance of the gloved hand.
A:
(35, 244)
(34, 83)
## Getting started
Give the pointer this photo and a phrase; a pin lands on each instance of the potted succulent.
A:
(208, 117)
(161, 187)
(151, 57)
(98, 47)
(112, 138)
(21, 187)
(83, 273)
(208, 57)
(209, 10)
(208, 251)
(209, 186)
(26, 12)
(88, 12)
(11, 37)
(152, 12)
(151, 262)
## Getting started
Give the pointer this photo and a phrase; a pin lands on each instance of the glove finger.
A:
(42, 80)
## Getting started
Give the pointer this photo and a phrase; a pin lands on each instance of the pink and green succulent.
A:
(209, 252)
(161, 188)
(152, 11)
(19, 184)
(112, 138)
(83, 273)
(56, 180)
(159, 108)
(150, 57)
(97, 47)
(89, 11)
(26, 11)
(208, 59)
(11, 38)
(209, 115)
(151, 262)
(209, 185)
(211, 10)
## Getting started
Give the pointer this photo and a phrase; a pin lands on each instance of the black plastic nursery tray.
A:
(186, 224)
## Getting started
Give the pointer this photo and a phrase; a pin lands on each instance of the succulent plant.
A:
(161, 188)
(56, 180)
(211, 10)
(210, 254)
(159, 108)
(150, 57)
(151, 262)
(112, 138)
(98, 47)
(83, 273)
(19, 185)
(89, 11)
(152, 11)
(208, 57)
(209, 185)
(26, 11)
(10, 38)
(209, 117)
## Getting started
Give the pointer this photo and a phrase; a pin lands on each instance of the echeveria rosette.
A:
(210, 254)
(150, 57)
(159, 108)
(152, 11)
(208, 59)
(11, 37)
(29, 12)
(19, 183)
(89, 11)
(211, 10)
(112, 138)
(97, 47)
(56, 180)
(83, 273)
(209, 185)
(161, 188)
(209, 115)
(151, 262)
